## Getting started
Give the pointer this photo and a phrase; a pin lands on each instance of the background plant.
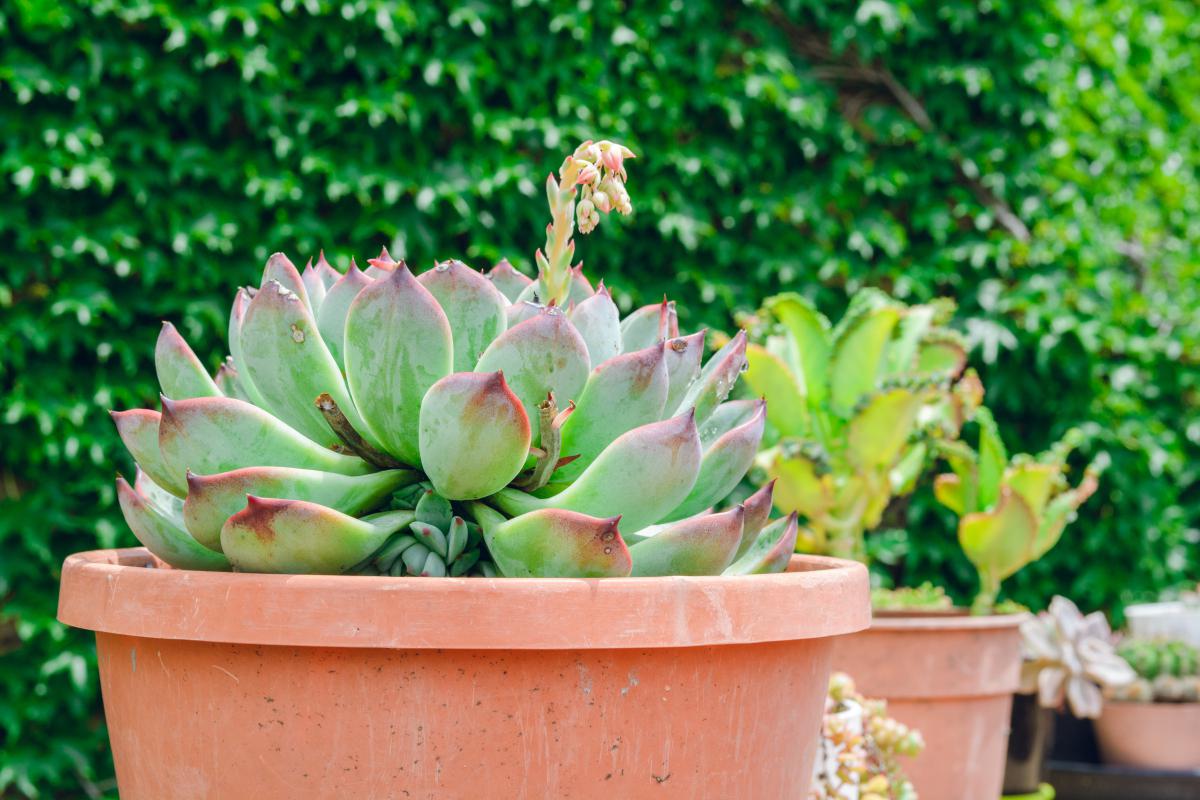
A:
(1034, 160)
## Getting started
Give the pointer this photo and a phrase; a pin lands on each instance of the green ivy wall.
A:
(1034, 159)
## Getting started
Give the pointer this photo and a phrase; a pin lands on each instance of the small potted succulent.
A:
(1154, 722)
(855, 413)
(1069, 662)
(858, 757)
(1177, 618)
(451, 533)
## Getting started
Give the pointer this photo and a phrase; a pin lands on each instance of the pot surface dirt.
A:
(951, 677)
(1150, 735)
(220, 685)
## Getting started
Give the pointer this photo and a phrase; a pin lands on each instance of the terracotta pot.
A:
(1150, 735)
(220, 685)
(952, 677)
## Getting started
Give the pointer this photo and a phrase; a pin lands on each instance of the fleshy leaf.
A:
(622, 393)
(522, 310)
(703, 545)
(948, 489)
(208, 435)
(724, 464)
(716, 380)
(474, 307)
(878, 432)
(554, 543)
(771, 551)
(942, 357)
(684, 356)
(580, 288)
(398, 344)
(540, 356)
(212, 499)
(510, 282)
(315, 286)
(647, 326)
(810, 332)
(641, 476)
(163, 534)
(180, 373)
(768, 376)
(858, 353)
(331, 319)
(229, 381)
(599, 323)
(902, 352)
(758, 512)
(237, 315)
(1000, 541)
(1034, 482)
(300, 538)
(798, 487)
(474, 435)
(291, 366)
(329, 275)
(993, 459)
(281, 270)
(138, 429)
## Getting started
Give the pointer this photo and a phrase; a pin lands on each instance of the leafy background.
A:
(1034, 159)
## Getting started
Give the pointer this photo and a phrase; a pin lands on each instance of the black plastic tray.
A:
(1078, 781)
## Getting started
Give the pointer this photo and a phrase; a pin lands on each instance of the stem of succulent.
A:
(551, 444)
(554, 263)
(353, 439)
(985, 602)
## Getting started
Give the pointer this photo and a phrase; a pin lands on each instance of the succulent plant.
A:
(850, 407)
(453, 423)
(1168, 671)
(925, 597)
(1010, 512)
(1069, 659)
(859, 749)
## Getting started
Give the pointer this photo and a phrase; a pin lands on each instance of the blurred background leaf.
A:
(1036, 160)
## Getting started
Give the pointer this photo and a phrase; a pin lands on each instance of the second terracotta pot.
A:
(951, 677)
(1150, 735)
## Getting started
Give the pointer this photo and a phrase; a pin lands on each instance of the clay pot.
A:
(1150, 735)
(252, 686)
(952, 677)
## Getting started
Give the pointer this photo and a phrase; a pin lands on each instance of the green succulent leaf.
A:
(138, 429)
(541, 356)
(474, 307)
(298, 537)
(508, 280)
(599, 323)
(641, 476)
(398, 344)
(162, 532)
(623, 393)
(771, 550)
(769, 377)
(474, 435)
(553, 542)
(703, 545)
(281, 270)
(331, 319)
(208, 435)
(725, 462)
(435, 510)
(647, 326)
(810, 332)
(879, 431)
(858, 355)
(758, 512)
(1000, 541)
(180, 373)
(291, 366)
(684, 356)
(716, 380)
(212, 499)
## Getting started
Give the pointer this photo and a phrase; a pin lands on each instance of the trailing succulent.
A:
(1168, 671)
(454, 423)
(851, 407)
(1011, 512)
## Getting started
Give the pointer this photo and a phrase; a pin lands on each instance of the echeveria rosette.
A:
(454, 423)
(851, 407)
(1069, 659)
(1011, 512)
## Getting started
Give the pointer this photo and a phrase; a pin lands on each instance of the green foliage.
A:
(1035, 160)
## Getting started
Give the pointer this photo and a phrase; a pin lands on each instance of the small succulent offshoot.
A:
(852, 408)
(454, 423)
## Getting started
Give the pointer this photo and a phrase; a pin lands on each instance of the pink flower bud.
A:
(583, 212)
(588, 174)
(601, 201)
(613, 159)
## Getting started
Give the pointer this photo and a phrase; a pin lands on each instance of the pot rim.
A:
(129, 592)
(917, 621)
